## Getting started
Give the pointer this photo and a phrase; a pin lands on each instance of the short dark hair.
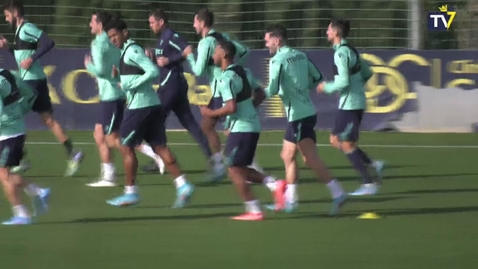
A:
(103, 17)
(228, 48)
(117, 24)
(159, 14)
(205, 15)
(342, 26)
(15, 5)
(277, 30)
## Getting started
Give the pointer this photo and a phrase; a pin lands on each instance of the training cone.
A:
(369, 216)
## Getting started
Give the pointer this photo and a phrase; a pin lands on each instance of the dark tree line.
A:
(376, 24)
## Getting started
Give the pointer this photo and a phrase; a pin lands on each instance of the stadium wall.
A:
(412, 91)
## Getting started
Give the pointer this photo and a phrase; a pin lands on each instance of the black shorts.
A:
(143, 124)
(111, 115)
(11, 151)
(240, 148)
(347, 125)
(43, 102)
(299, 130)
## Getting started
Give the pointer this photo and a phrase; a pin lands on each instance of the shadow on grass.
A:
(125, 219)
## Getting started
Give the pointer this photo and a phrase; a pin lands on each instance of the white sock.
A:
(335, 188)
(253, 207)
(108, 169)
(130, 189)
(20, 211)
(217, 158)
(291, 193)
(180, 181)
(148, 151)
(270, 183)
(32, 190)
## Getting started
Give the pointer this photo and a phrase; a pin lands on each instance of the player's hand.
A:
(25, 64)
(162, 61)
(114, 72)
(149, 53)
(320, 87)
(226, 132)
(188, 50)
(205, 111)
(119, 85)
(87, 60)
(3, 42)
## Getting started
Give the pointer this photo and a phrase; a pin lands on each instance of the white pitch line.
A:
(318, 145)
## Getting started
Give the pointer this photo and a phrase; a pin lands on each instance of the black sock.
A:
(356, 159)
(365, 157)
(68, 146)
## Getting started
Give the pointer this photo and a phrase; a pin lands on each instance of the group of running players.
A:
(133, 115)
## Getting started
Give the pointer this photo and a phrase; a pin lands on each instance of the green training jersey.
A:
(254, 86)
(25, 44)
(105, 55)
(12, 121)
(292, 75)
(137, 73)
(234, 85)
(351, 75)
(204, 65)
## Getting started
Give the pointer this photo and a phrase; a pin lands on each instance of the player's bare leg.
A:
(208, 126)
(288, 154)
(12, 185)
(107, 176)
(130, 163)
(75, 156)
(184, 189)
(148, 151)
(307, 148)
(239, 176)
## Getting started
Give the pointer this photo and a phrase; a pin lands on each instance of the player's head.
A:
(204, 18)
(338, 29)
(275, 37)
(98, 21)
(117, 31)
(157, 19)
(225, 51)
(13, 9)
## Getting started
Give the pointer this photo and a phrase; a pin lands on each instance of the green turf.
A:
(428, 204)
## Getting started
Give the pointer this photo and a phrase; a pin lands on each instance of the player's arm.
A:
(314, 75)
(342, 79)
(135, 56)
(179, 44)
(199, 66)
(97, 67)
(275, 76)
(258, 94)
(241, 51)
(365, 70)
(34, 34)
(226, 89)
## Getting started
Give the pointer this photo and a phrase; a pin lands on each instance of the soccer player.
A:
(142, 119)
(292, 76)
(15, 101)
(112, 98)
(244, 131)
(204, 65)
(29, 46)
(173, 90)
(351, 75)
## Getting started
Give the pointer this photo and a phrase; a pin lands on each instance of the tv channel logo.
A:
(442, 20)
